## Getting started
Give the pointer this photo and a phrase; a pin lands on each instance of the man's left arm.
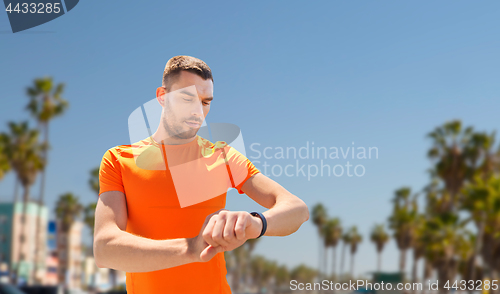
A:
(230, 229)
(286, 212)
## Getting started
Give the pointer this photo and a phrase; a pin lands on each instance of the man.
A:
(160, 216)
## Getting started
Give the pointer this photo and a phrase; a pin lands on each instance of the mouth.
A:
(193, 124)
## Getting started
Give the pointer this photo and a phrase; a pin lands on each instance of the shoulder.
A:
(126, 150)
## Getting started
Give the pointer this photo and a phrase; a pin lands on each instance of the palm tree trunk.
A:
(477, 247)
(414, 272)
(16, 190)
(319, 255)
(379, 261)
(342, 260)
(494, 278)
(236, 277)
(325, 269)
(352, 266)
(402, 261)
(247, 276)
(22, 238)
(40, 204)
(427, 273)
(322, 257)
(334, 261)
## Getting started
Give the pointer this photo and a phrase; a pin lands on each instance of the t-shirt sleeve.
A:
(110, 177)
(240, 168)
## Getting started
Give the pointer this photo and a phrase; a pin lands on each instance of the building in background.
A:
(51, 236)
(51, 274)
(70, 255)
(10, 244)
(51, 277)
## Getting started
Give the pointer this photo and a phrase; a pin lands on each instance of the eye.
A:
(206, 103)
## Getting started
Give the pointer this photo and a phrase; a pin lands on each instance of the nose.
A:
(197, 110)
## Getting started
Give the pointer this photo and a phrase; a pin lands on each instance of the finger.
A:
(209, 252)
(208, 231)
(207, 219)
(240, 228)
(217, 231)
(228, 233)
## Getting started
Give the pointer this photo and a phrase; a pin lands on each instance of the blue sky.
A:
(377, 73)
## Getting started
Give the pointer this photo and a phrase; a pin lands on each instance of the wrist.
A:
(256, 227)
(190, 250)
(262, 223)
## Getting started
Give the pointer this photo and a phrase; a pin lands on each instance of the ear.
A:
(160, 95)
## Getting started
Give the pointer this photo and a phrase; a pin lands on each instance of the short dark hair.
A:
(179, 63)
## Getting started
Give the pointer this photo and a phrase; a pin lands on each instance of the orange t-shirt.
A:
(170, 189)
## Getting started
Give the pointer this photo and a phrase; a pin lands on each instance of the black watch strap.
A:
(264, 222)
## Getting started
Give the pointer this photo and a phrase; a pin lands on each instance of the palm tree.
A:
(483, 202)
(303, 273)
(476, 200)
(379, 237)
(480, 154)
(239, 259)
(5, 166)
(94, 180)
(4, 160)
(461, 156)
(332, 233)
(402, 222)
(491, 241)
(320, 217)
(452, 154)
(443, 235)
(250, 245)
(67, 210)
(89, 217)
(258, 264)
(269, 273)
(418, 245)
(346, 240)
(44, 105)
(282, 277)
(355, 239)
(483, 164)
(24, 151)
(442, 232)
(465, 248)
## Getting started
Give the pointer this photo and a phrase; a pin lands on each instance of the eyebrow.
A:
(188, 93)
(193, 95)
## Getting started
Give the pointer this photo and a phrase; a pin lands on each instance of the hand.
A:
(230, 229)
(225, 230)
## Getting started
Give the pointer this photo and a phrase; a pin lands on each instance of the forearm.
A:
(124, 251)
(286, 216)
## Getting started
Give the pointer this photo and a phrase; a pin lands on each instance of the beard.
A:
(176, 128)
(178, 131)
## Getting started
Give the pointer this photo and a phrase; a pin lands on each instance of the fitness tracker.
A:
(264, 222)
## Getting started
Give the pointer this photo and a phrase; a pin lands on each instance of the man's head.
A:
(185, 95)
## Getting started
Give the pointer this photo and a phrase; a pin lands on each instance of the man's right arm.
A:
(117, 249)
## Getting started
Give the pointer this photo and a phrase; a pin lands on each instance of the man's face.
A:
(186, 105)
